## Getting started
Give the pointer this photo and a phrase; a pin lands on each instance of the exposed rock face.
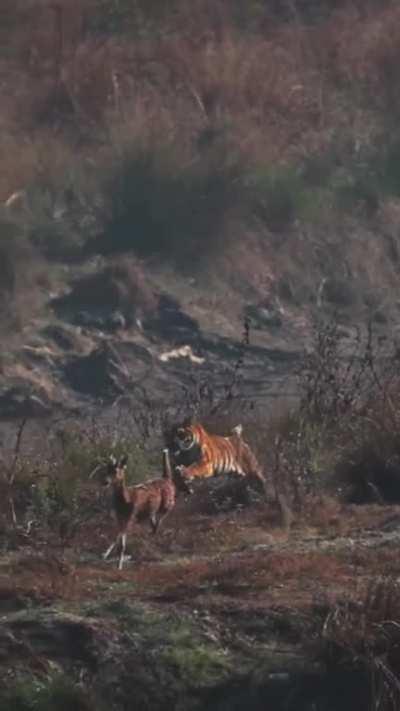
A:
(116, 331)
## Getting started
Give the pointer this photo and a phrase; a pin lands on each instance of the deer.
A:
(151, 500)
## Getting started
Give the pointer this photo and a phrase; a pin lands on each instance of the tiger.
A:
(214, 454)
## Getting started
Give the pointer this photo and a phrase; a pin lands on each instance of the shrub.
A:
(19, 274)
(122, 17)
(363, 184)
(159, 204)
(368, 65)
(279, 195)
(343, 437)
(13, 246)
(364, 636)
(195, 659)
(54, 190)
(59, 217)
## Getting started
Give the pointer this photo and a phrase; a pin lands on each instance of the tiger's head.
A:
(185, 437)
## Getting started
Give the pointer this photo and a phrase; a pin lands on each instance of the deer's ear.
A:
(112, 460)
(123, 461)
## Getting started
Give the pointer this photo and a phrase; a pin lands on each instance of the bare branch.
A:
(17, 448)
(12, 508)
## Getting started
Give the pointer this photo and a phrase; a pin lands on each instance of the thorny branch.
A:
(12, 470)
(17, 448)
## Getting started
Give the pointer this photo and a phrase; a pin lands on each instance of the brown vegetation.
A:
(263, 137)
(192, 133)
(315, 587)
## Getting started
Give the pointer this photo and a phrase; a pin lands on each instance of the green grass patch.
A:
(58, 692)
(204, 663)
(279, 195)
(180, 647)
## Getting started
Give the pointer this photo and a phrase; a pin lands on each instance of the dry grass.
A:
(214, 568)
(274, 92)
(259, 93)
(371, 60)
(364, 634)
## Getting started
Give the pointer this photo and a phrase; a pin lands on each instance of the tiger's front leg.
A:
(201, 469)
(205, 468)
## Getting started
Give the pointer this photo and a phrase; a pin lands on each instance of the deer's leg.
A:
(154, 522)
(123, 548)
(158, 520)
(111, 548)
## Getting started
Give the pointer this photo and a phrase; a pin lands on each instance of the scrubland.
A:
(236, 155)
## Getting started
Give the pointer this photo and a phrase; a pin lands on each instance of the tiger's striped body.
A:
(217, 455)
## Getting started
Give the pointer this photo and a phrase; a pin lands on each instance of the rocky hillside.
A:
(94, 339)
(235, 162)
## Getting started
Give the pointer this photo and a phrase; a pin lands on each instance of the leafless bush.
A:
(364, 636)
(343, 438)
(10, 472)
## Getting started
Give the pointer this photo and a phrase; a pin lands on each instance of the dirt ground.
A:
(213, 597)
(241, 559)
